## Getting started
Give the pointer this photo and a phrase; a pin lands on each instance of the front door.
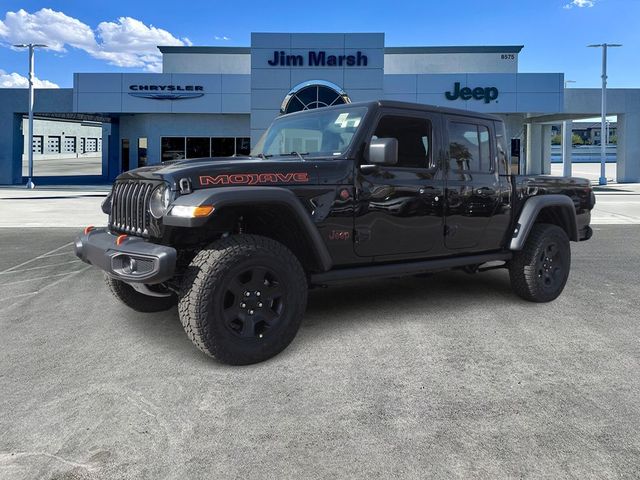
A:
(399, 207)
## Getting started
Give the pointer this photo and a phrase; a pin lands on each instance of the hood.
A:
(238, 171)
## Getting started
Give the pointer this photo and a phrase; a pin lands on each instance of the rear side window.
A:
(469, 147)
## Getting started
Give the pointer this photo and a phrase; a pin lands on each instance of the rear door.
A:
(472, 192)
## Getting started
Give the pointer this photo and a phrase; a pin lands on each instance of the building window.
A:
(178, 148)
(83, 145)
(172, 148)
(243, 146)
(314, 94)
(198, 147)
(223, 147)
(53, 144)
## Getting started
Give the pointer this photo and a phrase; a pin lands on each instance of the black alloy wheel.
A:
(540, 270)
(243, 299)
(550, 268)
(253, 302)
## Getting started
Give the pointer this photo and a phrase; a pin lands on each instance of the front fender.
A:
(532, 208)
(245, 196)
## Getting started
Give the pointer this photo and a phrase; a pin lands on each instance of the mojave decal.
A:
(253, 178)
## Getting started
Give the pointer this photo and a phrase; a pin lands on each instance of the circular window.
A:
(313, 94)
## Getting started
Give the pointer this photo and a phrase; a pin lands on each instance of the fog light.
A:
(130, 265)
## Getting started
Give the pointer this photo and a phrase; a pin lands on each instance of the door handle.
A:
(485, 191)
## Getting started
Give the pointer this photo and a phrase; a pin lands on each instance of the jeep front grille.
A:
(130, 207)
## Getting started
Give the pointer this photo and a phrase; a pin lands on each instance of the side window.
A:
(414, 139)
(469, 147)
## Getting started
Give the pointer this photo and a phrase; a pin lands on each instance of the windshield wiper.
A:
(299, 155)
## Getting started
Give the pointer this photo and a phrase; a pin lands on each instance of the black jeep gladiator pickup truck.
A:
(363, 190)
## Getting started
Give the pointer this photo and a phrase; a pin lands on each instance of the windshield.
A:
(315, 133)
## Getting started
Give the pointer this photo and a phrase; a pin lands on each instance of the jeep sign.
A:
(479, 93)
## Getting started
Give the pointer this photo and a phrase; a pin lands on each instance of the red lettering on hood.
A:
(253, 178)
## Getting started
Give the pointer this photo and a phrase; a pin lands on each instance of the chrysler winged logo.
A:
(166, 92)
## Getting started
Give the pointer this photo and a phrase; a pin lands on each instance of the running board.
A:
(406, 268)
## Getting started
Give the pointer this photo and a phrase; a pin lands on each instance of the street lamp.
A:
(603, 121)
(567, 141)
(31, 47)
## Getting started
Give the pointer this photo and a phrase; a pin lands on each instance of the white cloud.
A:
(15, 80)
(47, 26)
(222, 37)
(580, 4)
(127, 42)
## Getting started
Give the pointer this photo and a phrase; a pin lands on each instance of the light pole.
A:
(567, 141)
(603, 121)
(31, 47)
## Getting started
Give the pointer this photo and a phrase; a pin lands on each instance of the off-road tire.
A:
(138, 301)
(215, 286)
(540, 270)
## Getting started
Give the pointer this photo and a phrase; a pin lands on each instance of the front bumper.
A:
(134, 260)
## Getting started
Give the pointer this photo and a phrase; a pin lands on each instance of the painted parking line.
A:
(10, 269)
(37, 278)
(40, 267)
(46, 287)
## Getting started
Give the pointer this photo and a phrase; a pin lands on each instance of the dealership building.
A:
(217, 101)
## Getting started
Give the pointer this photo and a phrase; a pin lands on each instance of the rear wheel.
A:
(540, 270)
(139, 301)
(243, 299)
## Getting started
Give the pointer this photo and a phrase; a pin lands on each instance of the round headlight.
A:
(160, 201)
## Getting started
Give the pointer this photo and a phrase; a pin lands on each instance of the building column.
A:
(567, 145)
(534, 149)
(628, 151)
(546, 149)
(114, 150)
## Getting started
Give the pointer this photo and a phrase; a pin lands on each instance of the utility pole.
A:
(31, 47)
(603, 120)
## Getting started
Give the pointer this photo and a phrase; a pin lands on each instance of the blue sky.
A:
(115, 36)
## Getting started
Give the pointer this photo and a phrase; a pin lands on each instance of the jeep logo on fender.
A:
(254, 178)
(479, 93)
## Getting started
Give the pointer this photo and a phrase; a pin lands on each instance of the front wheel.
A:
(243, 299)
(540, 270)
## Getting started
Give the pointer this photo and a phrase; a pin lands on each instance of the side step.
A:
(406, 268)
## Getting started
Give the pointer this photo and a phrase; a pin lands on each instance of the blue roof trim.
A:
(394, 50)
(228, 50)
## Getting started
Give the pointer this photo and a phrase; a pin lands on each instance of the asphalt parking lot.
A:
(438, 377)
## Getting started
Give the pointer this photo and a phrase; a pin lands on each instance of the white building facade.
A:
(218, 100)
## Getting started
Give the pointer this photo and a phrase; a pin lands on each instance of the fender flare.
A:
(221, 197)
(530, 211)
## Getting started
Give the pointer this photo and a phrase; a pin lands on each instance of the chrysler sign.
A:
(166, 92)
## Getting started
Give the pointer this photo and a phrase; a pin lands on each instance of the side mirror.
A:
(383, 151)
